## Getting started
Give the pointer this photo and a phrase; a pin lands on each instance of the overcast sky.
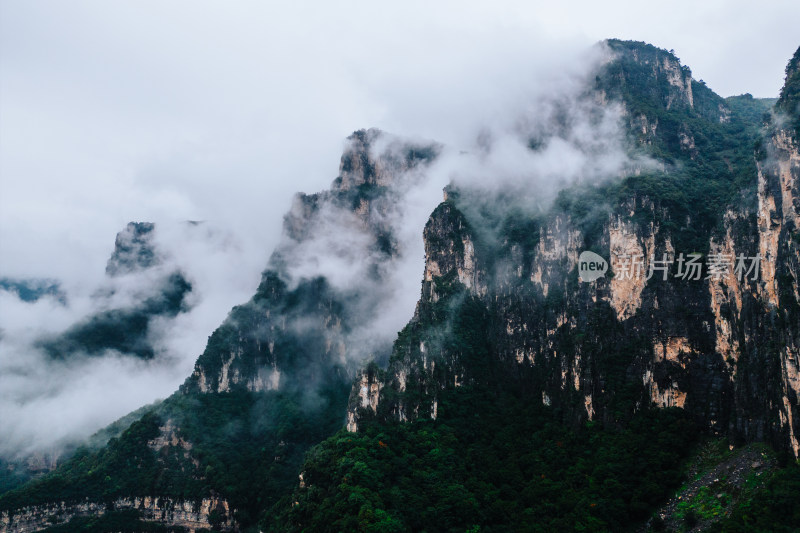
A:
(166, 111)
(113, 111)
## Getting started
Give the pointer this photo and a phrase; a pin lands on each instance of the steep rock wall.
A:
(204, 514)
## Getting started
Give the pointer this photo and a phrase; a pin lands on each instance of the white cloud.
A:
(148, 110)
(45, 403)
(168, 111)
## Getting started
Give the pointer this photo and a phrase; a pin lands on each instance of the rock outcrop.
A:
(711, 329)
(133, 249)
(699, 309)
(337, 246)
(192, 516)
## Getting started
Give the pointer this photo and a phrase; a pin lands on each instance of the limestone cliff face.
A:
(779, 244)
(290, 344)
(364, 395)
(631, 246)
(684, 338)
(450, 247)
(756, 315)
(373, 158)
(193, 516)
(720, 342)
(133, 249)
(557, 253)
(641, 72)
(547, 331)
(296, 326)
(258, 345)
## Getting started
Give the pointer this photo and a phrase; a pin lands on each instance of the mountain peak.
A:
(133, 249)
(519, 392)
(789, 101)
(374, 158)
(649, 72)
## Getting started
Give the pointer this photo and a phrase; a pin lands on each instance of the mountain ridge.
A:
(504, 317)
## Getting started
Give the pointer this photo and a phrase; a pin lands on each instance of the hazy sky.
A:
(166, 111)
(113, 111)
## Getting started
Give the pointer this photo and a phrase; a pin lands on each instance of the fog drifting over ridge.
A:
(47, 403)
(167, 113)
(48, 400)
(197, 111)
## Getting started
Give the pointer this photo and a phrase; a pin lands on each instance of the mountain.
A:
(133, 249)
(273, 379)
(517, 397)
(121, 323)
(722, 347)
(31, 290)
(124, 324)
(503, 319)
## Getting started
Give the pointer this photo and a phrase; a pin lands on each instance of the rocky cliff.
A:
(180, 515)
(133, 249)
(719, 342)
(274, 376)
(697, 315)
(123, 319)
(324, 280)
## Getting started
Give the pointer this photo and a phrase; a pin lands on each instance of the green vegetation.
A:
(247, 446)
(769, 505)
(96, 474)
(734, 490)
(789, 101)
(495, 461)
(125, 329)
(753, 111)
(250, 446)
(708, 504)
(706, 148)
(12, 475)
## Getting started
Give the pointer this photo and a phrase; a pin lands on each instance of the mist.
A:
(47, 401)
(190, 111)
(558, 135)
